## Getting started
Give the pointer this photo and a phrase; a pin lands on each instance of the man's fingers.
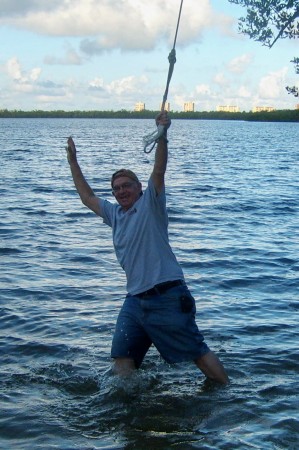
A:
(71, 144)
(163, 119)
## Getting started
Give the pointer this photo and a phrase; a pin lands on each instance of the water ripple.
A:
(232, 192)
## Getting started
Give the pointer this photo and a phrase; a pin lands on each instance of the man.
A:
(158, 308)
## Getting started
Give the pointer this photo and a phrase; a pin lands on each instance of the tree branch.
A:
(291, 19)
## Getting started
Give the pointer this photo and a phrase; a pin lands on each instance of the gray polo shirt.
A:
(140, 238)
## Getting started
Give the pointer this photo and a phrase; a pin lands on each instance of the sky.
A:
(110, 54)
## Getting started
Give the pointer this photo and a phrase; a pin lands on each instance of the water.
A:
(233, 205)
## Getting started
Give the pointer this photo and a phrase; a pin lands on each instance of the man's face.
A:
(126, 191)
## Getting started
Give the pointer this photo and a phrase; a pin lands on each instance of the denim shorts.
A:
(167, 321)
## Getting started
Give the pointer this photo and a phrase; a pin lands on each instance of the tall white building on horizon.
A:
(189, 107)
(139, 106)
(228, 108)
(263, 109)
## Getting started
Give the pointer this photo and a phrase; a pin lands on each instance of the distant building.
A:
(262, 109)
(139, 106)
(297, 106)
(189, 107)
(228, 108)
(166, 107)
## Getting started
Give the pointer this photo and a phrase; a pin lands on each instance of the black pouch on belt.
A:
(187, 303)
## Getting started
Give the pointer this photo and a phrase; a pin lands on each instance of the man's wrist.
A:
(163, 137)
(72, 160)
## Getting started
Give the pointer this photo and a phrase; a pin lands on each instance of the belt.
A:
(159, 289)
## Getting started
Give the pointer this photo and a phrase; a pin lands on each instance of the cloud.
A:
(49, 84)
(25, 82)
(35, 73)
(203, 90)
(97, 84)
(244, 92)
(21, 8)
(122, 87)
(240, 63)
(127, 85)
(272, 86)
(71, 57)
(47, 101)
(107, 24)
(220, 79)
(14, 70)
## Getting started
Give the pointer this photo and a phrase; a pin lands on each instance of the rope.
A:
(153, 137)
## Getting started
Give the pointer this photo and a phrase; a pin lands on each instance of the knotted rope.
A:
(153, 137)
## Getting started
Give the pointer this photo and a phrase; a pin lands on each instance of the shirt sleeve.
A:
(158, 200)
(107, 211)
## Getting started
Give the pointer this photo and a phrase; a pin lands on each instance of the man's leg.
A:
(124, 366)
(130, 341)
(212, 368)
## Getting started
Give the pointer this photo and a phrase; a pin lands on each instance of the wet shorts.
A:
(167, 321)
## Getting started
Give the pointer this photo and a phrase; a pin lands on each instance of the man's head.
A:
(124, 173)
(126, 188)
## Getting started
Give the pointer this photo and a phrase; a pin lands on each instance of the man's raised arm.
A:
(87, 195)
(161, 155)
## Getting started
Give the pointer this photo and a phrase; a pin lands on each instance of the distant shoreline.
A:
(285, 115)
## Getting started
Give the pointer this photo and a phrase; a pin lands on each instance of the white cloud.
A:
(97, 83)
(123, 91)
(107, 24)
(207, 74)
(13, 68)
(272, 86)
(240, 63)
(127, 85)
(21, 8)
(203, 89)
(71, 57)
(244, 92)
(179, 101)
(35, 73)
(50, 99)
(220, 79)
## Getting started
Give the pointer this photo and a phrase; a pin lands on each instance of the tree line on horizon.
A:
(285, 115)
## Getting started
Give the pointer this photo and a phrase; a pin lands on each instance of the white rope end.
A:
(152, 138)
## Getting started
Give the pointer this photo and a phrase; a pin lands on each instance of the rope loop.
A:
(153, 137)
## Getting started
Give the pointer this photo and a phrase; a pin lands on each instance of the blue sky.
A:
(107, 54)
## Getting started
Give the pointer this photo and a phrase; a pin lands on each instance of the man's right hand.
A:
(71, 150)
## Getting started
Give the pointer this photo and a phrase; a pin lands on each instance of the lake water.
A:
(233, 198)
